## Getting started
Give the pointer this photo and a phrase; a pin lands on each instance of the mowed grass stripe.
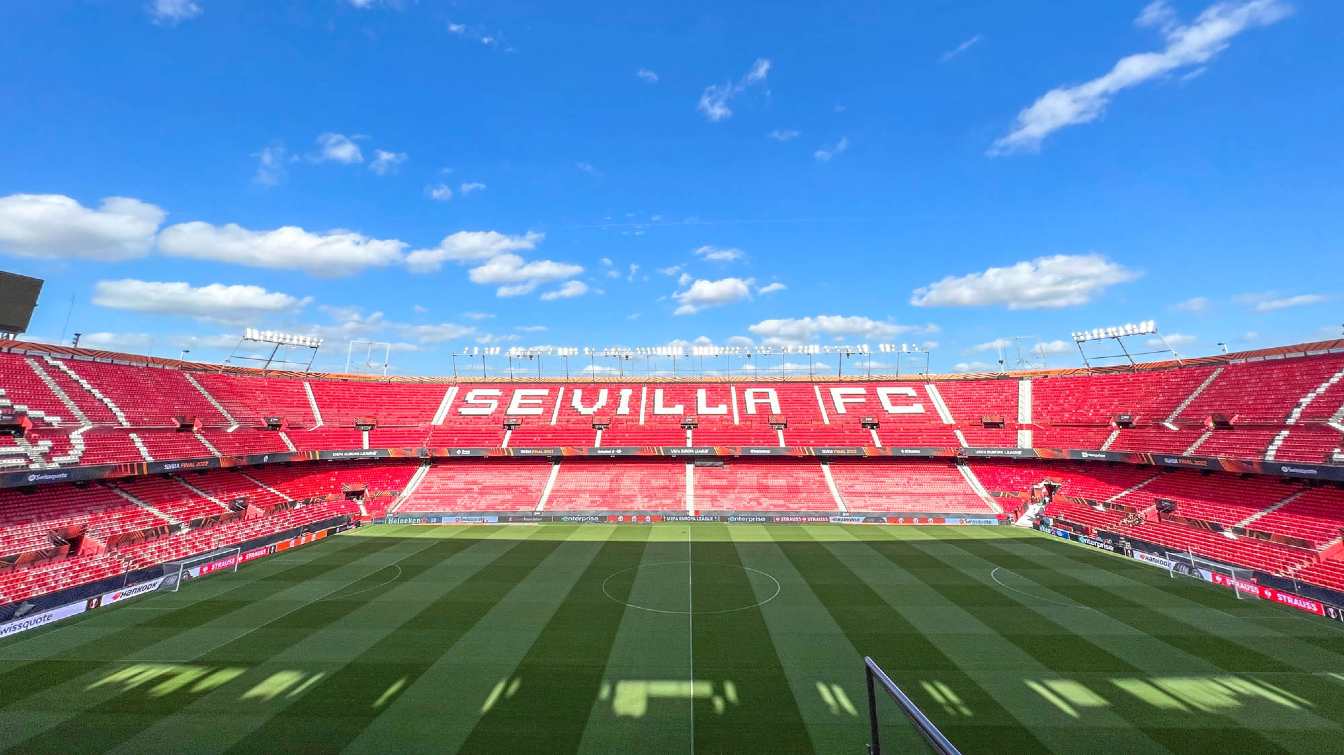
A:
(34, 679)
(233, 711)
(875, 628)
(1079, 585)
(1277, 633)
(1056, 645)
(736, 648)
(114, 720)
(1148, 654)
(1304, 695)
(649, 648)
(823, 668)
(338, 708)
(562, 672)
(436, 713)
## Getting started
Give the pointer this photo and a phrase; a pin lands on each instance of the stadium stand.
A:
(495, 485)
(87, 408)
(897, 485)
(52, 537)
(762, 485)
(621, 484)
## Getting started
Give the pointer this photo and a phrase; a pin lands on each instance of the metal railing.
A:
(931, 734)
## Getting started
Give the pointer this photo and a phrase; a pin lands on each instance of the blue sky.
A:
(440, 175)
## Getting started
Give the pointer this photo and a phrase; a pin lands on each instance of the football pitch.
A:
(678, 638)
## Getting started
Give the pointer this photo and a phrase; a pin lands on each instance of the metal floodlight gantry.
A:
(1119, 333)
(750, 358)
(281, 339)
(277, 340)
(1145, 328)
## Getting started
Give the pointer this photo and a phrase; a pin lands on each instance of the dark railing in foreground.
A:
(931, 734)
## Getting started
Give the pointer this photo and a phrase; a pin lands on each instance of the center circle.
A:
(689, 587)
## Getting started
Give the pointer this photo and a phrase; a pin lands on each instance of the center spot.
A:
(696, 587)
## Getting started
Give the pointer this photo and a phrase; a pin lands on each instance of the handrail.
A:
(926, 728)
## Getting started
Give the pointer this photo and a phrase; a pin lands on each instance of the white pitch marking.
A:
(993, 574)
(690, 626)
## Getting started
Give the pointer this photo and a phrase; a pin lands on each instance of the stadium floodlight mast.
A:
(529, 353)
(369, 362)
(1119, 333)
(277, 340)
(908, 350)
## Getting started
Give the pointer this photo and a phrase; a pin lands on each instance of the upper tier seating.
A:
(1279, 408)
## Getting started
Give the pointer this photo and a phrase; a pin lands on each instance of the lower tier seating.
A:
(896, 485)
(480, 485)
(622, 484)
(762, 485)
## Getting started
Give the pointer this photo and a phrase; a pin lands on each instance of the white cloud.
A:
(807, 330)
(1053, 347)
(784, 134)
(217, 341)
(1040, 348)
(271, 162)
(995, 345)
(1005, 345)
(1157, 15)
(173, 12)
(337, 252)
(385, 162)
(715, 99)
(717, 254)
(703, 294)
(1187, 46)
(632, 272)
(963, 47)
(337, 148)
(1173, 340)
(586, 168)
(972, 367)
(119, 341)
(1063, 280)
(470, 246)
(54, 225)
(1270, 301)
(471, 187)
(824, 154)
(567, 290)
(515, 277)
(1194, 304)
(439, 192)
(670, 270)
(647, 76)
(217, 301)
(531, 328)
(771, 288)
(438, 333)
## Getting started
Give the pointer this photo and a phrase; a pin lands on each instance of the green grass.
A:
(669, 638)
